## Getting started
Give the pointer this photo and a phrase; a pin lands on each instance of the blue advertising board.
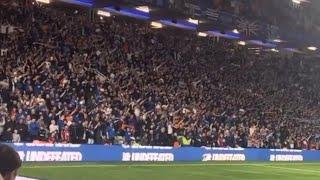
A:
(73, 152)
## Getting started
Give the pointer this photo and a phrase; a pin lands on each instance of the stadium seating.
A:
(64, 79)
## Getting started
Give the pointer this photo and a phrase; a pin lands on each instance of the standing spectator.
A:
(16, 137)
(65, 134)
(22, 129)
(7, 135)
(53, 128)
(34, 129)
(2, 124)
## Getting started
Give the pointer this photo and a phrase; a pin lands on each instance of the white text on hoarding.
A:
(38, 156)
(286, 157)
(223, 157)
(127, 156)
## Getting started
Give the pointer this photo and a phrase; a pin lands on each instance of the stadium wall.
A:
(72, 152)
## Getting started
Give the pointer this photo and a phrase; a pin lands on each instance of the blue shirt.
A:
(111, 132)
(34, 128)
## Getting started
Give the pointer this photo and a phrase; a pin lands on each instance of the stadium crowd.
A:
(65, 79)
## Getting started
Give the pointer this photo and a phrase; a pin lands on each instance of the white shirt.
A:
(252, 130)
(53, 128)
(16, 138)
(170, 130)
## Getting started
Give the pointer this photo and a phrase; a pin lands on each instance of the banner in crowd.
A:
(7, 29)
(73, 152)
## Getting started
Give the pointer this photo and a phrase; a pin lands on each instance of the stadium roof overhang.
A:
(169, 17)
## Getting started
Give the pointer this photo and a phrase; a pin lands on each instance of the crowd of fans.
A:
(65, 79)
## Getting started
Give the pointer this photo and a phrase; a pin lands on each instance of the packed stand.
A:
(64, 79)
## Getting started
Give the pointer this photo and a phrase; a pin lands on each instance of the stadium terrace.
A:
(66, 78)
